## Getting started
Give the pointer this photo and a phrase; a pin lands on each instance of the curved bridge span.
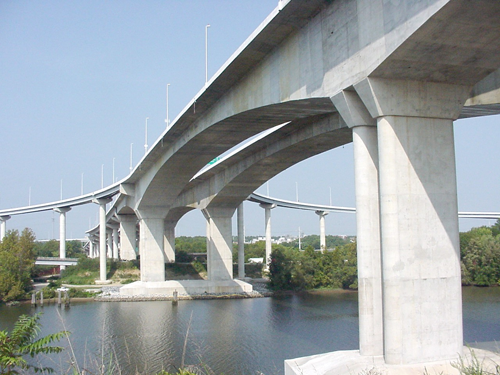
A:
(314, 76)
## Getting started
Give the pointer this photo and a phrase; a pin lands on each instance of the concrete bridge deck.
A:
(391, 76)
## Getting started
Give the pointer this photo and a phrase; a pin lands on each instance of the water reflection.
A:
(229, 336)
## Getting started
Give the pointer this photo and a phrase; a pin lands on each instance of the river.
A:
(239, 336)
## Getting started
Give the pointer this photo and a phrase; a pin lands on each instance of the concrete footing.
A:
(185, 287)
(102, 282)
(350, 362)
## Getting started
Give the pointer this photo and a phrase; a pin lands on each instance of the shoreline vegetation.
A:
(293, 267)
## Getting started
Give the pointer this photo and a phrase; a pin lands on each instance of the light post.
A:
(206, 54)
(167, 121)
(146, 141)
(131, 150)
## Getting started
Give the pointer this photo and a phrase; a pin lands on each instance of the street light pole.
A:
(206, 54)
(131, 150)
(167, 121)
(146, 137)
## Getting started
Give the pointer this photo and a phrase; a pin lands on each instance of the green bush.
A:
(291, 269)
(49, 292)
(81, 293)
(480, 256)
(17, 260)
(23, 341)
(81, 280)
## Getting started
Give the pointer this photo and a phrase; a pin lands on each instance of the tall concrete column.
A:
(62, 232)
(91, 248)
(219, 243)
(241, 241)
(110, 244)
(102, 237)
(3, 226)
(322, 232)
(418, 217)
(94, 246)
(151, 242)
(267, 209)
(364, 132)
(115, 241)
(127, 236)
(169, 241)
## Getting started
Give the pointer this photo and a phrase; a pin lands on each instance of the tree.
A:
(280, 270)
(17, 260)
(74, 249)
(291, 269)
(496, 228)
(22, 341)
(253, 250)
(197, 244)
(467, 237)
(47, 249)
(481, 262)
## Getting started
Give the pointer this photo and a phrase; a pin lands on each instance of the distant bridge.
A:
(50, 261)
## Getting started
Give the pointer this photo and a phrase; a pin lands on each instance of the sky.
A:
(78, 80)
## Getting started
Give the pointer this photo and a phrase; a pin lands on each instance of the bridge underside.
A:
(398, 75)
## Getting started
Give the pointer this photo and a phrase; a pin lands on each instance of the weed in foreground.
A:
(475, 366)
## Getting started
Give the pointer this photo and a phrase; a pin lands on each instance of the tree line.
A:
(290, 268)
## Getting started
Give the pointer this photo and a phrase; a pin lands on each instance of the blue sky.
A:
(78, 80)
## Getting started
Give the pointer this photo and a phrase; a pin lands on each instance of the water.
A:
(245, 336)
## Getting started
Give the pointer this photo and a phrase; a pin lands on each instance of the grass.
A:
(476, 367)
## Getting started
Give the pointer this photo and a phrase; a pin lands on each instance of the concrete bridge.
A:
(389, 76)
(51, 261)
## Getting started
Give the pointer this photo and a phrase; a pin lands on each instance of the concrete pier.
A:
(322, 231)
(62, 232)
(267, 220)
(3, 226)
(169, 241)
(241, 241)
(365, 142)
(127, 236)
(109, 244)
(219, 243)
(115, 239)
(102, 237)
(418, 217)
(151, 242)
